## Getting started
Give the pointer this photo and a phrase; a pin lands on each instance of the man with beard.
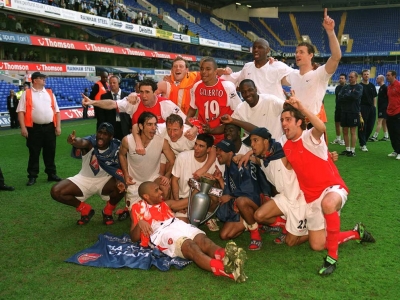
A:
(140, 168)
(99, 175)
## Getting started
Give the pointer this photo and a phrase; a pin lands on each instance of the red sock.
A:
(217, 267)
(108, 210)
(279, 222)
(332, 234)
(255, 234)
(84, 209)
(219, 253)
(345, 236)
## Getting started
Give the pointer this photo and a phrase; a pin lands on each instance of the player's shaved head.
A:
(145, 187)
(262, 42)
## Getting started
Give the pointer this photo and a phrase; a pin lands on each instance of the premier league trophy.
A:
(199, 203)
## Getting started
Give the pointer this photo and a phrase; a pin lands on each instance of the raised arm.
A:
(78, 142)
(336, 54)
(319, 126)
(104, 104)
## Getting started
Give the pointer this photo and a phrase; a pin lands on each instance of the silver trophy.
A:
(199, 203)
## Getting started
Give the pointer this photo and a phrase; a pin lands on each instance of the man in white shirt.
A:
(186, 164)
(310, 85)
(266, 75)
(140, 168)
(262, 110)
(39, 118)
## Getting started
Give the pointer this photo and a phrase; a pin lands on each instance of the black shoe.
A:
(53, 177)
(351, 154)
(344, 152)
(31, 181)
(5, 187)
(328, 267)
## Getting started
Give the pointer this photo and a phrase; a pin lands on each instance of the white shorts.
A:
(314, 215)
(295, 213)
(90, 186)
(171, 234)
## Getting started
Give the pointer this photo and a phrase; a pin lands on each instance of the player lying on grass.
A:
(154, 224)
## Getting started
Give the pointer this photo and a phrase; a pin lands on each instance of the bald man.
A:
(154, 224)
(267, 76)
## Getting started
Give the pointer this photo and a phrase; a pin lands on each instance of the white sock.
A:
(386, 134)
(338, 137)
(375, 134)
(347, 148)
(353, 150)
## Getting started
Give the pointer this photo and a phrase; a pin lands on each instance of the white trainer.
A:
(212, 225)
(336, 141)
(341, 143)
(393, 154)
(398, 157)
(364, 148)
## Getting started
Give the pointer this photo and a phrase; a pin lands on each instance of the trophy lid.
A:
(207, 180)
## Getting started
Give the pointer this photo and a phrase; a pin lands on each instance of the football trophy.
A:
(199, 203)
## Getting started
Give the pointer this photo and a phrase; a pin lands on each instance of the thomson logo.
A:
(7, 66)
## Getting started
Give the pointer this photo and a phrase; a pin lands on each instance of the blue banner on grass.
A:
(117, 252)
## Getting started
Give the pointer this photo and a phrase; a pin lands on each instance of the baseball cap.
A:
(226, 146)
(37, 75)
(259, 131)
(107, 126)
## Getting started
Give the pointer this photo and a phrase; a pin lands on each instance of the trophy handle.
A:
(210, 216)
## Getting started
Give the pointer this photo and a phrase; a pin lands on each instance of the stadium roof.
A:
(286, 3)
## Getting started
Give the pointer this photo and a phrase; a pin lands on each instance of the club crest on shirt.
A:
(94, 163)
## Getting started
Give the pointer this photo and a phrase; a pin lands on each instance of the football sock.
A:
(338, 137)
(84, 209)
(345, 236)
(254, 233)
(217, 267)
(219, 253)
(347, 148)
(279, 222)
(353, 149)
(375, 134)
(332, 232)
(386, 134)
(108, 210)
